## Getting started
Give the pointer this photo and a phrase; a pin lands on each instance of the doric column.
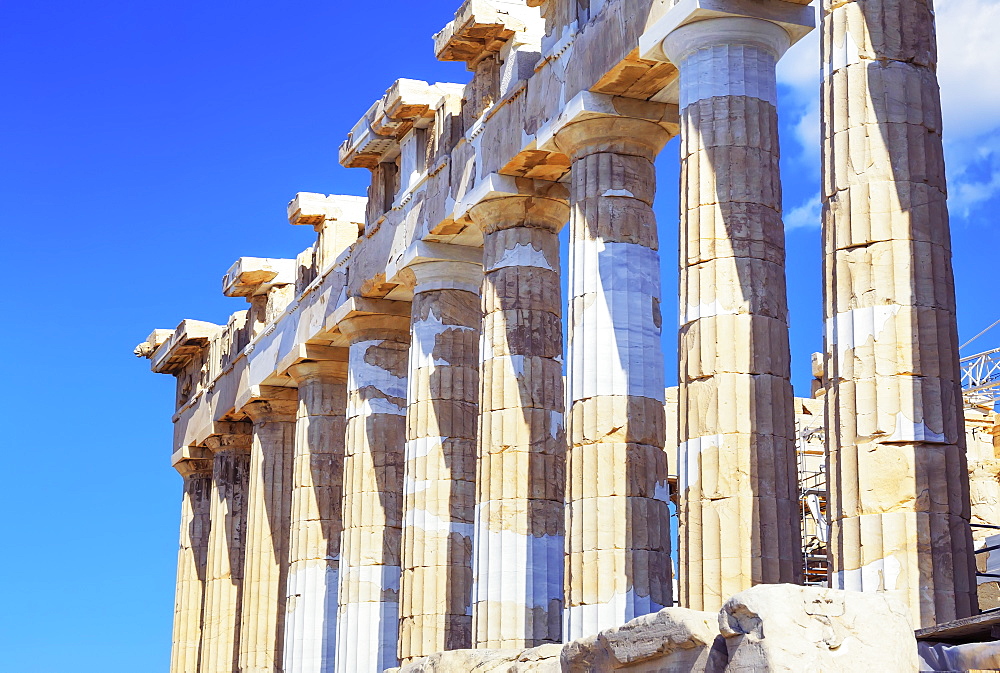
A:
(440, 475)
(269, 507)
(617, 523)
(367, 623)
(518, 556)
(226, 547)
(314, 540)
(899, 494)
(739, 513)
(189, 598)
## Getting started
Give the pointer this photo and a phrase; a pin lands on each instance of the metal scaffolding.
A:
(810, 447)
(981, 378)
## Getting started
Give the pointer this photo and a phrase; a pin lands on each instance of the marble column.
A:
(518, 555)
(268, 514)
(368, 619)
(226, 548)
(739, 513)
(440, 477)
(189, 600)
(314, 540)
(899, 492)
(618, 526)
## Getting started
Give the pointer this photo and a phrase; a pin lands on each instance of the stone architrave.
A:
(226, 547)
(268, 514)
(518, 556)
(192, 556)
(899, 492)
(440, 475)
(368, 617)
(739, 511)
(316, 521)
(617, 522)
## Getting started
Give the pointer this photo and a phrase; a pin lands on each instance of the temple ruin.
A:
(390, 460)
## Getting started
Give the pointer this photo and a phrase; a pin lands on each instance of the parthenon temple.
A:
(411, 452)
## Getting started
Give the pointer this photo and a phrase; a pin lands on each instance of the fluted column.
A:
(314, 541)
(899, 493)
(189, 598)
(367, 623)
(440, 475)
(518, 556)
(226, 549)
(739, 513)
(269, 508)
(618, 526)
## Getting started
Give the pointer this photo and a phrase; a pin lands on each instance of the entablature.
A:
(595, 69)
(408, 104)
(316, 210)
(253, 276)
(482, 28)
(184, 343)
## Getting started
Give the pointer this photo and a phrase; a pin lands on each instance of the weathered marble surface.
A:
(777, 627)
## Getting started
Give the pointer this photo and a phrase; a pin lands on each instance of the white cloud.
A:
(799, 77)
(968, 74)
(806, 216)
(799, 71)
(970, 100)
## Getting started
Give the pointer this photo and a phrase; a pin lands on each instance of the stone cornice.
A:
(174, 353)
(406, 105)
(482, 27)
(251, 276)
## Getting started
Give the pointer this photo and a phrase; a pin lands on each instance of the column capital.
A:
(438, 266)
(620, 135)
(192, 461)
(794, 19)
(272, 410)
(306, 352)
(679, 43)
(519, 210)
(376, 326)
(589, 106)
(228, 435)
(447, 275)
(334, 370)
(362, 318)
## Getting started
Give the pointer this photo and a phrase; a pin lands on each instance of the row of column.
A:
(428, 495)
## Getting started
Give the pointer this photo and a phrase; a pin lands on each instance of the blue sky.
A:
(149, 146)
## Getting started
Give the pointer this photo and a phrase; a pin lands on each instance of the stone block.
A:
(673, 639)
(544, 659)
(781, 627)
(251, 276)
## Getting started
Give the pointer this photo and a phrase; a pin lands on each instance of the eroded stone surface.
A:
(790, 628)
(542, 659)
(673, 639)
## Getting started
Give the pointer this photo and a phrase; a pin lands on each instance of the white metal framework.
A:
(812, 498)
(981, 378)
